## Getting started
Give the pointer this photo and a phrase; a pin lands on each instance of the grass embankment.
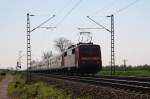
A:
(137, 73)
(20, 90)
(2, 75)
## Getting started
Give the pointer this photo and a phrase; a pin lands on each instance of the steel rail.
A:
(132, 85)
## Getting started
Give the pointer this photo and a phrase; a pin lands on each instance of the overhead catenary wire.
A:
(58, 12)
(103, 27)
(121, 9)
(124, 8)
(43, 23)
(52, 16)
(106, 7)
(64, 7)
(69, 12)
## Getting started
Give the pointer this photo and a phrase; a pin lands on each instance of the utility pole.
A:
(124, 64)
(20, 56)
(29, 42)
(112, 40)
(19, 61)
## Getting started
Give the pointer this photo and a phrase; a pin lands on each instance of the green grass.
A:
(137, 73)
(2, 75)
(20, 90)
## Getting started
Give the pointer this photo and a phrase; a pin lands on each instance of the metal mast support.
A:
(28, 48)
(112, 40)
(112, 45)
(29, 43)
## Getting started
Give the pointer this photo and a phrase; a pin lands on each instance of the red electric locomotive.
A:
(83, 58)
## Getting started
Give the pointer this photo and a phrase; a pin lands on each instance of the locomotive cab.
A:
(89, 58)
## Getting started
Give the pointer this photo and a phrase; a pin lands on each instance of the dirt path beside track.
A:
(3, 86)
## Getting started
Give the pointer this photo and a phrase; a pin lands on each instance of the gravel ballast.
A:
(79, 89)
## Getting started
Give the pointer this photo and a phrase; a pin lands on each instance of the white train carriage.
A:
(55, 62)
(69, 58)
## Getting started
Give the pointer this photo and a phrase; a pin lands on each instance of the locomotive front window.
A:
(88, 50)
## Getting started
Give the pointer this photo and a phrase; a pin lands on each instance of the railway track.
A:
(136, 84)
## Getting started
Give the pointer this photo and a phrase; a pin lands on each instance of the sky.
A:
(132, 33)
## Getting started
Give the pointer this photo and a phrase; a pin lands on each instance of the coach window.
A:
(65, 54)
(73, 51)
(69, 52)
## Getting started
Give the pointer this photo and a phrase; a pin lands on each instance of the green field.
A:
(137, 73)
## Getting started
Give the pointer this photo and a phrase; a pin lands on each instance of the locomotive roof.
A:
(79, 44)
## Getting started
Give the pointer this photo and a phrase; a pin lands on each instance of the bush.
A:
(2, 73)
(18, 88)
(17, 84)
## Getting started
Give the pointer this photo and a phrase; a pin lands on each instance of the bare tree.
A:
(46, 56)
(62, 44)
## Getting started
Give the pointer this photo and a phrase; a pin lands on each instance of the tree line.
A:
(128, 67)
